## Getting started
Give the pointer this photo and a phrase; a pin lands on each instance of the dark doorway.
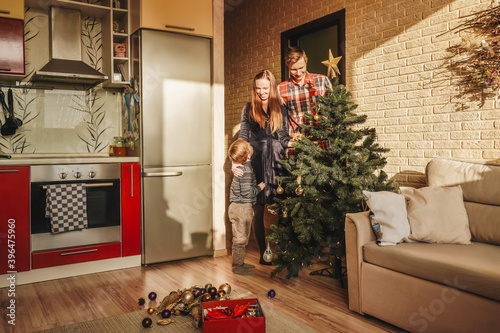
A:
(316, 38)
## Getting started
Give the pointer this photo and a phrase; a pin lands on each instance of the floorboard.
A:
(317, 301)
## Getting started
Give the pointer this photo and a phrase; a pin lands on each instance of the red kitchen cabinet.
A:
(11, 46)
(14, 219)
(131, 209)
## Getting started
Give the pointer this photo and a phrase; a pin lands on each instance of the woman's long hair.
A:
(273, 106)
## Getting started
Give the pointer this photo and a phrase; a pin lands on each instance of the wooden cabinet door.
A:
(12, 9)
(11, 46)
(14, 219)
(131, 209)
(186, 16)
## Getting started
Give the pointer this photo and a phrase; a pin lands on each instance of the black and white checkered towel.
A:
(67, 207)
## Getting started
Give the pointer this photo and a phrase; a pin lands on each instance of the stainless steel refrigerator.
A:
(173, 73)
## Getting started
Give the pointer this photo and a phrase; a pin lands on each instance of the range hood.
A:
(65, 64)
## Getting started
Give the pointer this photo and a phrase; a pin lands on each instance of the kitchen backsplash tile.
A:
(63, 120)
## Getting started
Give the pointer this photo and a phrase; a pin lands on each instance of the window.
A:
(316, 38)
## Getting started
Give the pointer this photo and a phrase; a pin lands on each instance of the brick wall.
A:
(396, 71)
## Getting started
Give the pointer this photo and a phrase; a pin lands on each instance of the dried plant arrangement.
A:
(476, 60)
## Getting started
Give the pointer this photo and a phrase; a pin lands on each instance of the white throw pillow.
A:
(388, 217)
(437, 214)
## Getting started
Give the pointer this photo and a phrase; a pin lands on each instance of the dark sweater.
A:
(244, 189)
(268, 149)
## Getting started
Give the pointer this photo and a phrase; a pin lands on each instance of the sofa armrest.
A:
(358, 232)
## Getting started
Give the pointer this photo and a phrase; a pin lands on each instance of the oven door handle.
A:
(91, 185)
(163, 174)
(78, 252)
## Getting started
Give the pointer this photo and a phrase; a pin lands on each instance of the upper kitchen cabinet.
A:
(188, 16)
(11, 46)
(12, 9)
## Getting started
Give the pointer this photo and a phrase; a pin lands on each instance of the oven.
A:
(102, 183)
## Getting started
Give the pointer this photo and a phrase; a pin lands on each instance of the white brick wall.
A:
(395, 68)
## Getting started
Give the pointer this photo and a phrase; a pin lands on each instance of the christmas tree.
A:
(334, 161)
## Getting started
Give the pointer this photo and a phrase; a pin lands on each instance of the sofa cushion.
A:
(388, 216)
(437, 215)
(474, 268)
(484, 222)
(480, 181)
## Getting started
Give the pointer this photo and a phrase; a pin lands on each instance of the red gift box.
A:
(248, 324)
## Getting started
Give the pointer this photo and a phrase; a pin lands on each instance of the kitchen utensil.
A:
(10, 98)
(10, 126)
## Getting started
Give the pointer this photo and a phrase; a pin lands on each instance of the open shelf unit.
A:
(115, 30)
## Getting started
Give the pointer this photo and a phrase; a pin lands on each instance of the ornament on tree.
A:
(268, 254)
(299, 190)
(280, 189)
(316, 117)
(331, 63)
(146, 322)
(285, 213)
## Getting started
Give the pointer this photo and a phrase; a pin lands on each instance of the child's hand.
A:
(262, 185)
(237, 169)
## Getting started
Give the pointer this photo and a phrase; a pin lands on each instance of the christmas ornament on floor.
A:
(141, 301)
(166, 313)
(185, 302)
(146, 322)
(152, 296)
(271, 293)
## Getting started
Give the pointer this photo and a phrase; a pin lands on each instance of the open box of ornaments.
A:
(240, 315)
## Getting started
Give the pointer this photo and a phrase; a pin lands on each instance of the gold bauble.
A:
(151, 310)
(280, 190)
(299, 190)
(187, 297)
(226, 287)
(316, 117)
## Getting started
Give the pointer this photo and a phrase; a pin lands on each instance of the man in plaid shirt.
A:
(300, 92)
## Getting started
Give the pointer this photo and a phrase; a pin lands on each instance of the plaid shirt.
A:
(301, 99)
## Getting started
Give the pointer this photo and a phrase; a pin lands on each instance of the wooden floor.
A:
(317, 301)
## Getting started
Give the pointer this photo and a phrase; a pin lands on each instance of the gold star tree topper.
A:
(331, 63)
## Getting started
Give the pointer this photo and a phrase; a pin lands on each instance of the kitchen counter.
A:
(37, 159)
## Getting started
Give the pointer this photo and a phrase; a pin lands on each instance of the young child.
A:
(243, 196)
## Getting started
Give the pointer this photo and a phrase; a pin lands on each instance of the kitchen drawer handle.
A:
(8, 171)
(78, 252)
(3, 11)
(163, 174)
(5, 69)
(91, 185)
(178, 27)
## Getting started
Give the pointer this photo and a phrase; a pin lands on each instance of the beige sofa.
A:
(424, 287)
